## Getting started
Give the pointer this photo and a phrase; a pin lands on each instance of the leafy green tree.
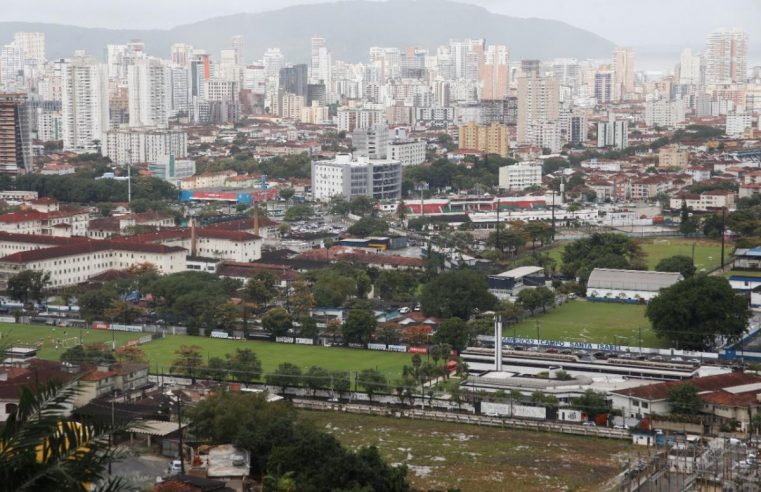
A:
(529, 299)
(277, 321)
(286, 193)
(41, 449)
(684, 399)
(362, 205)
(368, 226)
(317, 378)
(454, 332)
(216, 368)
(301, 301)
(592, 402)
(677, 263)
(332, 289)
(122, 312)
(683, 315)
(395, 285)
(457, 294)
(359, 326)
(287, 375)
(244, 365)
(257, 292)
(545, 296)
(341, 381)
(298, 212)
(372, 380)
(93, 303)
(28, 285)
(339, 206)
(187, 361)
(601, 250)
(308, 328)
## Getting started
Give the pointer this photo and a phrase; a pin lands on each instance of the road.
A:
(141, 471)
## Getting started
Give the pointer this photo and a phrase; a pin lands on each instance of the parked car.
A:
(175, 467)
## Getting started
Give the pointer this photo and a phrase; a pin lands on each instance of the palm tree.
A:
(42, 450)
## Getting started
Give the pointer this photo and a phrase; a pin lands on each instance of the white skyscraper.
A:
(32, 46)
(726, 57)
(623, 72)
(84, 107)
(317, 43)
(148, 93)
(689, 68)
(238, 48)
(181, 54)
(11, 67)
(273, 62)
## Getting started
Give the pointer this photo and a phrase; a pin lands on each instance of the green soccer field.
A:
(592, 322)
(54, 340)
(161, 352)
(707, 252)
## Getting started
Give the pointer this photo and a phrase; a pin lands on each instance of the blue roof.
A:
(745, 278)
(754, 251)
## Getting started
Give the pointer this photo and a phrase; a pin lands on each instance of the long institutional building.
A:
(74, 258)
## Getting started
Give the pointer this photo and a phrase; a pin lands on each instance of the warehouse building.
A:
(630, 286)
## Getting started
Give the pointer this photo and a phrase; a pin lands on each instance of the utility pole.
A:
(179, 427)
(498, 225)
(110, 434)
(723, 227)
(553, 215)
(129, 183)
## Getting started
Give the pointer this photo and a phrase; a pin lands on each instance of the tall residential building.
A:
(316, 44)
(538, 100)
(237, 43)
(273, 62)
(148, 82)
(181, 54)
(577, 128)
(604, 86)
(179, 90)
(144, 145)
(349, 177)
(371, 142)
(15, 134)
(531, 68)
(613, 133)
(84, 108)
(495, 73)
(32, 45)
(294, 80)
(726, 57)
(689, 68)
(664, 113)
(491, 139)
(623, 72)
(737, 123)
(11, 67)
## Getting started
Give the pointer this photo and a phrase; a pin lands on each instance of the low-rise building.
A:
(732, 397)
(520, 176)
(673, 156)
(631, 286)
(509, 283)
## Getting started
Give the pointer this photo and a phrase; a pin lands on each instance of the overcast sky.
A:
(634, 22)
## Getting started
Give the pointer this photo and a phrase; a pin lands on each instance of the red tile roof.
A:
(707, 385)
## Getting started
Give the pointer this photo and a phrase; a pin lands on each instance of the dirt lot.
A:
(472, 458)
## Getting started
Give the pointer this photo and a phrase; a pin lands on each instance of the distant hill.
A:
(350, 28)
